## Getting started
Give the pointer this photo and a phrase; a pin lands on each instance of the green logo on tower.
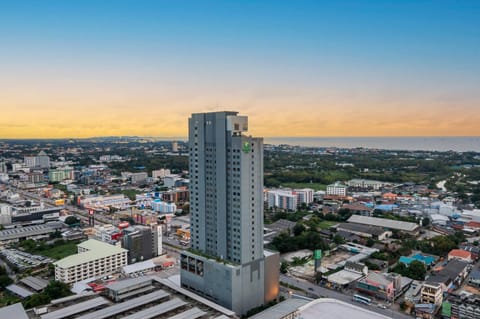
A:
(246, 147)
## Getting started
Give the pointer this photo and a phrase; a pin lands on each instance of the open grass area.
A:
(325, 224)
(314, 186)
(56, 251)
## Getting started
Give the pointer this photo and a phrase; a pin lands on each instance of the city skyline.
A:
(308, 68)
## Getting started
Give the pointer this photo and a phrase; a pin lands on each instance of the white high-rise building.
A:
(226, 205)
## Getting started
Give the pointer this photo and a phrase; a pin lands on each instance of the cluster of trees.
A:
(415, 270)
(54, 290)
(439, 245)
(305, 240)
(399, 167)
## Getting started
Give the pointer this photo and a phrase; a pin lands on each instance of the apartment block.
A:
(94, 258)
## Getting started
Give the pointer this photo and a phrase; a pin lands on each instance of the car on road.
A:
(310, 288)
(382, 306)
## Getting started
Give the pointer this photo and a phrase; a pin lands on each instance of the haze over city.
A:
(302, 68)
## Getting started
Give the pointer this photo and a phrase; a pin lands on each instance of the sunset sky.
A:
(296, 68)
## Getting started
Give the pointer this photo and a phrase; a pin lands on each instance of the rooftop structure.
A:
(383, 222)
(15, 311)
(35, 283)
(454, 272)
(368, 231)
(38, 231)
(327, 308)
(76, 308)
(460, 254)
(19, 291)
(282, 309)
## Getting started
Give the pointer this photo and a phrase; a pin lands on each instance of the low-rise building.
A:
(460, 254)
(365, 231)
(474, 278)
(445, 277)
(94, 258)
(407, 227)
(380, 285)
(465, 307)
(358, 209)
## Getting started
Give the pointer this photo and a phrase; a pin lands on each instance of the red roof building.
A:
(460, 254)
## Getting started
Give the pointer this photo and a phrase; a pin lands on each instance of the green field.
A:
(325, 224)
(314, 186)
(57, 251)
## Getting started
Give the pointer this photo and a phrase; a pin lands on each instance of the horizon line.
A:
(179, 138)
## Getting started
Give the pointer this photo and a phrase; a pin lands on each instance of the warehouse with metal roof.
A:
(385, 223)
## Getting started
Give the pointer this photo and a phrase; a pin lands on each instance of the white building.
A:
(160, 173)
(94, 259)
(5, 214)
(138, 178)
(4, 177)
(283, 199)
(304, 195)
(163, 207)
(170, 180)
(366, 184)
(29, 161)
(337, 189)
(117, 201)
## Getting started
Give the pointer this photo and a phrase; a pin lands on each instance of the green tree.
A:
(71, 220)
(425, 222)
(5, 281)
(36, 300)
(57, 289)
(337, 239)
(283, 267)
(298, 229)
(370, 242)
(417, 270)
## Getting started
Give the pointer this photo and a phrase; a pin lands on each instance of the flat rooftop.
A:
(96, 250)
(327, 308)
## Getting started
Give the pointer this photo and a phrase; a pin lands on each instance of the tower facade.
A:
(226, 262)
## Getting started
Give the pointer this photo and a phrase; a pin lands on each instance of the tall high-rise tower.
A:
(227, 261)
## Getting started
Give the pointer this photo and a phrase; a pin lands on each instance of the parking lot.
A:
(22, 259)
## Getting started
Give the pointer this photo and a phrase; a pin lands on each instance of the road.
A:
(81, 213)
(327, 293)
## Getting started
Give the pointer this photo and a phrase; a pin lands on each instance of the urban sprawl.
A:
(223, 226)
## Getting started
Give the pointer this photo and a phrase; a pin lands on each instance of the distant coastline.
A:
(415, 143)
(421, 143)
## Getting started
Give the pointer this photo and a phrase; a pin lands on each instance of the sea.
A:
(440, 144)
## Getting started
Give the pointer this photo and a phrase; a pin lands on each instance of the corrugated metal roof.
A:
(76, 308)
(383, 222)
(127, 283)
(20, 291)
(190, 314)
(158, 310)
(15, 311)
(34, 283)
(125, 306)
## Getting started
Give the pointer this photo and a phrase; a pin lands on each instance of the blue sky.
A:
(345, 59)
